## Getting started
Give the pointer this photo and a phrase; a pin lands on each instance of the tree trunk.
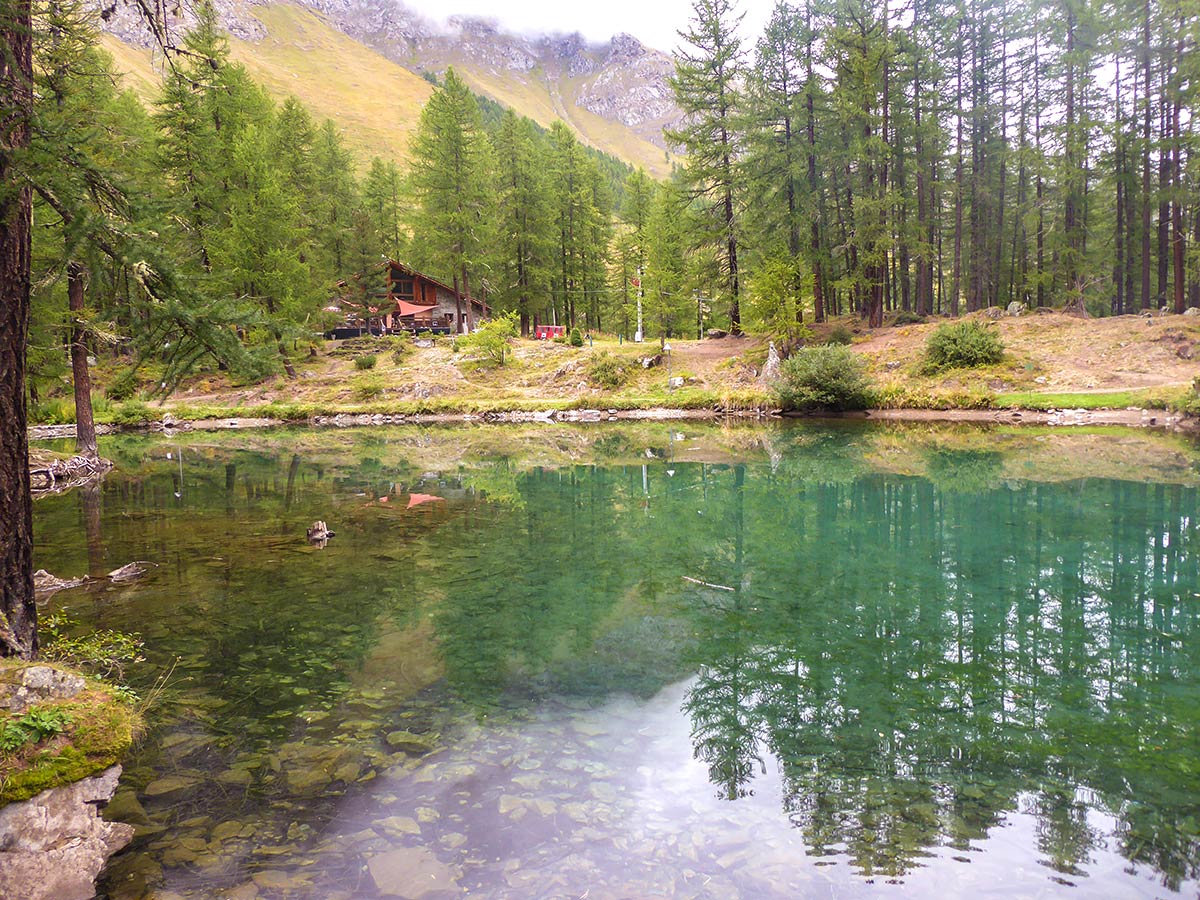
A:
(813, 192)
(18, 612)
(1146, 158)
(466, 286)
(85, 426)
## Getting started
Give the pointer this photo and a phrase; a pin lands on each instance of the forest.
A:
(858, 157)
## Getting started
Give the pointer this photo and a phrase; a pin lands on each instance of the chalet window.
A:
(402, 288)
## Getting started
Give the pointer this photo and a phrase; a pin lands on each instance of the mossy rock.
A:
(100, 730)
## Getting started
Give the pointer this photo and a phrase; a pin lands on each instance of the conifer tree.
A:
(707, 85)
(451, 187)
(521, 258)
(382, 195)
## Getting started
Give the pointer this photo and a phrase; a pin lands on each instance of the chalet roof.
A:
(409, 270)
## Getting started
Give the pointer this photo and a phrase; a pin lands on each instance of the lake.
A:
(657, 660)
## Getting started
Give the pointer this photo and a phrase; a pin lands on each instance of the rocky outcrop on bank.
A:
(63, 737)
(53, 846)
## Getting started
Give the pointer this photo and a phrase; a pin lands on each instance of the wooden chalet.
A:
(413, 302)
(417, 302)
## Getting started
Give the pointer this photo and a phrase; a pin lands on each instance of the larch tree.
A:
(451, 184)
(709, 74)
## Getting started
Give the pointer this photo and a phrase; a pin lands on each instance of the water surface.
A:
(654, 661)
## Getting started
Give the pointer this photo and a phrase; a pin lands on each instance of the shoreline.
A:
(1158, 419)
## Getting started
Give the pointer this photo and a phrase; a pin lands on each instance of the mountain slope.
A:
(355, 61)
(375, 101)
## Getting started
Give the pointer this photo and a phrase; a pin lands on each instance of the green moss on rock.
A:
(100, 732)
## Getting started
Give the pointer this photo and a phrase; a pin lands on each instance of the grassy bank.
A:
(1048, 363)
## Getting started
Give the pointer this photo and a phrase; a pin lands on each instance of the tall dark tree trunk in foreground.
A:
(85, 426)
(18, 613)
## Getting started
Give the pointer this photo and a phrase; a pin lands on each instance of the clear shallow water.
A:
(659, 661)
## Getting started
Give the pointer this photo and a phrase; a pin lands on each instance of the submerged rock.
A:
(416, 744)
(413, 873)
(54, 845)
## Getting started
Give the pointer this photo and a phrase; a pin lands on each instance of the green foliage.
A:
(104, 653)
(839, 336)
(132, 412)
(124, 385)
(368, 385)
(961, 345)
(907, 317)
(34, 727)
(831, 378)
(775, 300)
(451, 182)
(609, 371)
(364, 362)
(576, 338)
(490, 340)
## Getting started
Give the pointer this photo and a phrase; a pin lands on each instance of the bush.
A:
(133, 412)
(490, 340)
(367, 386)
(962, 345)
(123, 386)
(609, 372)
(53, 411)
(832, 378)
(365, 362)
(907, 317)
(559, 339)
(839, 336)
(103, 653)
(576, 338)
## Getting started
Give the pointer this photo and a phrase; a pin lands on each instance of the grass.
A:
(1142, 399)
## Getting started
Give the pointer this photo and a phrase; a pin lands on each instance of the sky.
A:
(654, 22)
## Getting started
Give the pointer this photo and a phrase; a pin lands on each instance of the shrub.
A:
(839, 336)
(576, 338)
(830, 378)
(53, 411)
(490, 340)
(132, 412)
(367, 386)
(123, 386)
(609, 372)
(365, 362)
(962, 345)
(104, 653)
(907, 317)
(559, 339)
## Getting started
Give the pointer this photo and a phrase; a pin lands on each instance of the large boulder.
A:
(53, 846)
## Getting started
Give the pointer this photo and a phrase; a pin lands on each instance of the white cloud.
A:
(655, 23)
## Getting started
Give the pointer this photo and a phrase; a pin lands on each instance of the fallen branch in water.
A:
(50, 474)
(45, 584)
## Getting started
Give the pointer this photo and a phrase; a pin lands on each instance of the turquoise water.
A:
(655, 661)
